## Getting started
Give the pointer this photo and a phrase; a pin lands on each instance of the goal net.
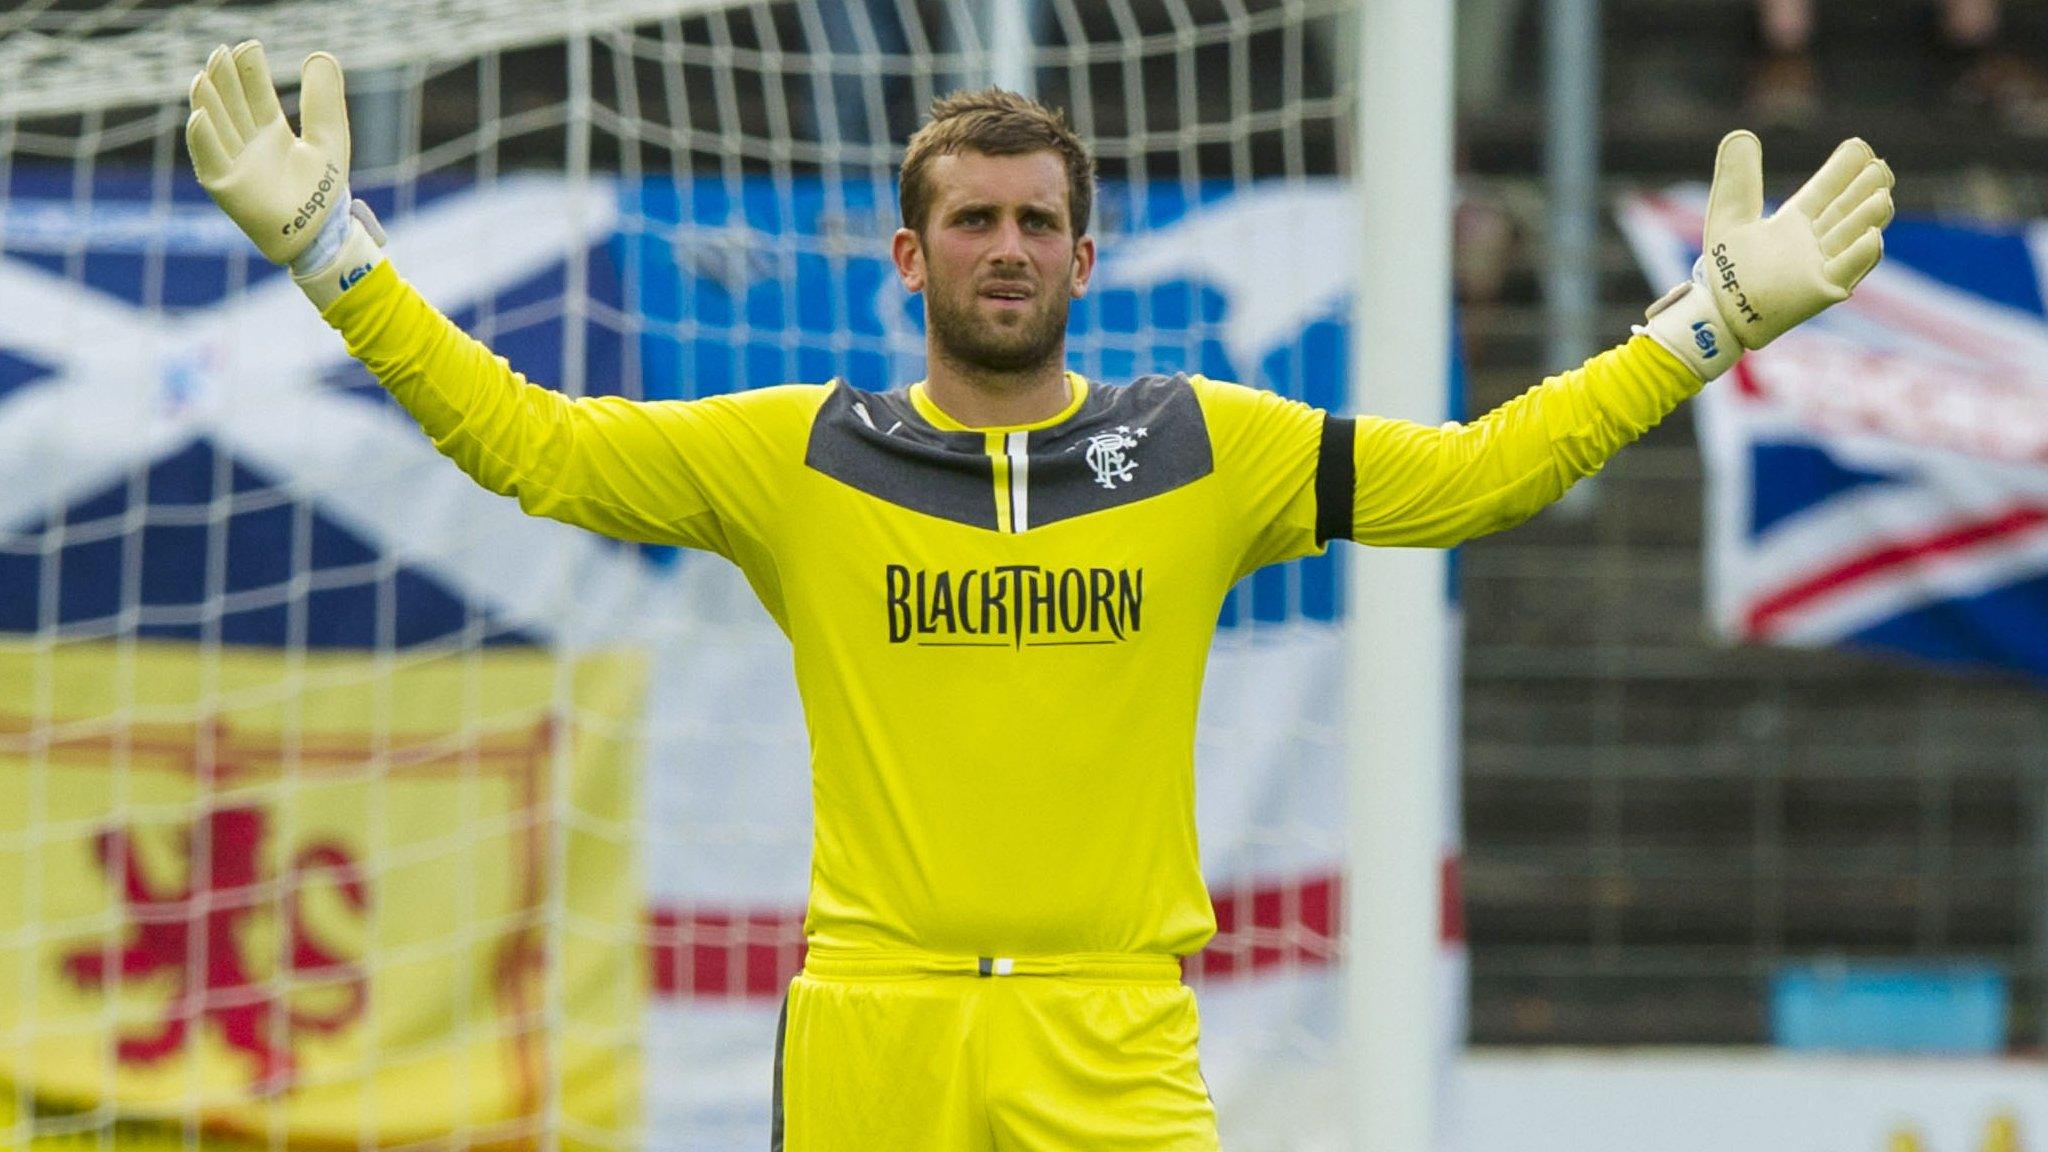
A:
(343, 805)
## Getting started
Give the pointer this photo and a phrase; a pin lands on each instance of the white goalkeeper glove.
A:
(1759, 276)
(289, 193)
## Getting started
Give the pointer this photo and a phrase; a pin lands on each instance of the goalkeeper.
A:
(1000, 583)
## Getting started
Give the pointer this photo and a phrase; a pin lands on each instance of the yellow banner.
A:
(320, 899)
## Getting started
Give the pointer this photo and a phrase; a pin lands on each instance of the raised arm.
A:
(1310, 477)
(1757, 278)
(696, 474)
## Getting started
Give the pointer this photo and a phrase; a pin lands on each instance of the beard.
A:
(959, 330)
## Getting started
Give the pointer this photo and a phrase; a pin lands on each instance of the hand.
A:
(1760, 276)
(280, 188)
(1771, 273)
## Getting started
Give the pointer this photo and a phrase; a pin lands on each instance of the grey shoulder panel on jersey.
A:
(1127, 443)
(876, 442)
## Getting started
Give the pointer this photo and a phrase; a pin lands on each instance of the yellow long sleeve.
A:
(673, 472)
(1434, 487)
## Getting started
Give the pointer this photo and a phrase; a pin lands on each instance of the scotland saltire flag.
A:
(1878, 477)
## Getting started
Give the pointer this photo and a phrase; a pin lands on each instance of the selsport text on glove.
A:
(1759, 276)
(288, 192)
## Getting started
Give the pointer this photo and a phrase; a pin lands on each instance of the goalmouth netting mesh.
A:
(343, 805)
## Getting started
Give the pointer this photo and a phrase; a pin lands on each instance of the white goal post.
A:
(1407, 988)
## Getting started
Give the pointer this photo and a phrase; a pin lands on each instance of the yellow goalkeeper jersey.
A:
(1000, 633)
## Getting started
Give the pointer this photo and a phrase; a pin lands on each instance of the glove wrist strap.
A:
(357, 253)
(327, 242)
(1690, 327)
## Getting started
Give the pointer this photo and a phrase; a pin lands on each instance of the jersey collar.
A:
(1076, 384)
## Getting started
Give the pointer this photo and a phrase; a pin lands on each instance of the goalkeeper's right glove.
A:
(1757, 275)
(288, 193)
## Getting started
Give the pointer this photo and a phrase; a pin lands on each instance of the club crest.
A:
(1109, 455)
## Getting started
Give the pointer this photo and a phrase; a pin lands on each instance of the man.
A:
(1000, 584)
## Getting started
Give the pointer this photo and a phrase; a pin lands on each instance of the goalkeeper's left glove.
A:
(1759, 276)
(289, 193)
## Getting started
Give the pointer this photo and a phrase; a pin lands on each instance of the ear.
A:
(908, 254)
(1084, 264)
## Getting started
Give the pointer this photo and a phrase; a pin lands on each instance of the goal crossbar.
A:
(53, 75)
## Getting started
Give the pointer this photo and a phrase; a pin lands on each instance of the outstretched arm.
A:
(1758, 277)
(694, 474)
(1311, 477)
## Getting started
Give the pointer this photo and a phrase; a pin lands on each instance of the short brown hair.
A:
(995, 123)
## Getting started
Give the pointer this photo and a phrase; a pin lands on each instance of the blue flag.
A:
(1878, 478)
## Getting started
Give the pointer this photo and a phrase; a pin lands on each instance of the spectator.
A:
(1987, 75)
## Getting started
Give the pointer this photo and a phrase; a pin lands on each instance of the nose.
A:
(1009, 244)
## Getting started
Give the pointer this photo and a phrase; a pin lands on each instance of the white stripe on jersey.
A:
(1020, 480)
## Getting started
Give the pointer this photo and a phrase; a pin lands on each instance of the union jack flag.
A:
(1878, 477)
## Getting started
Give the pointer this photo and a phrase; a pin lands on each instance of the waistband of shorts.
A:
(1105, 967)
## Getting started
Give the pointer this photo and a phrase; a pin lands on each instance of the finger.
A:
(323, 107)
(210, 159)
(206, 98)
(1871, 215)
(257, 86)
(1875, 177)
(1849, 269)
(220, 69)
(1737, 196)
(1833, 179)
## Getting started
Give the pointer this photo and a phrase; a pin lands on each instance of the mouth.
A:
(1008, 294)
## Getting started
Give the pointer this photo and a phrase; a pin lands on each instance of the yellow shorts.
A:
(882, 1053)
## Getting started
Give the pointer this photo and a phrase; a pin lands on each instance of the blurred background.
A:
(1660, 823)
(1752, 743)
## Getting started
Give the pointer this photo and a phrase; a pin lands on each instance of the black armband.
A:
(1336, 479)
